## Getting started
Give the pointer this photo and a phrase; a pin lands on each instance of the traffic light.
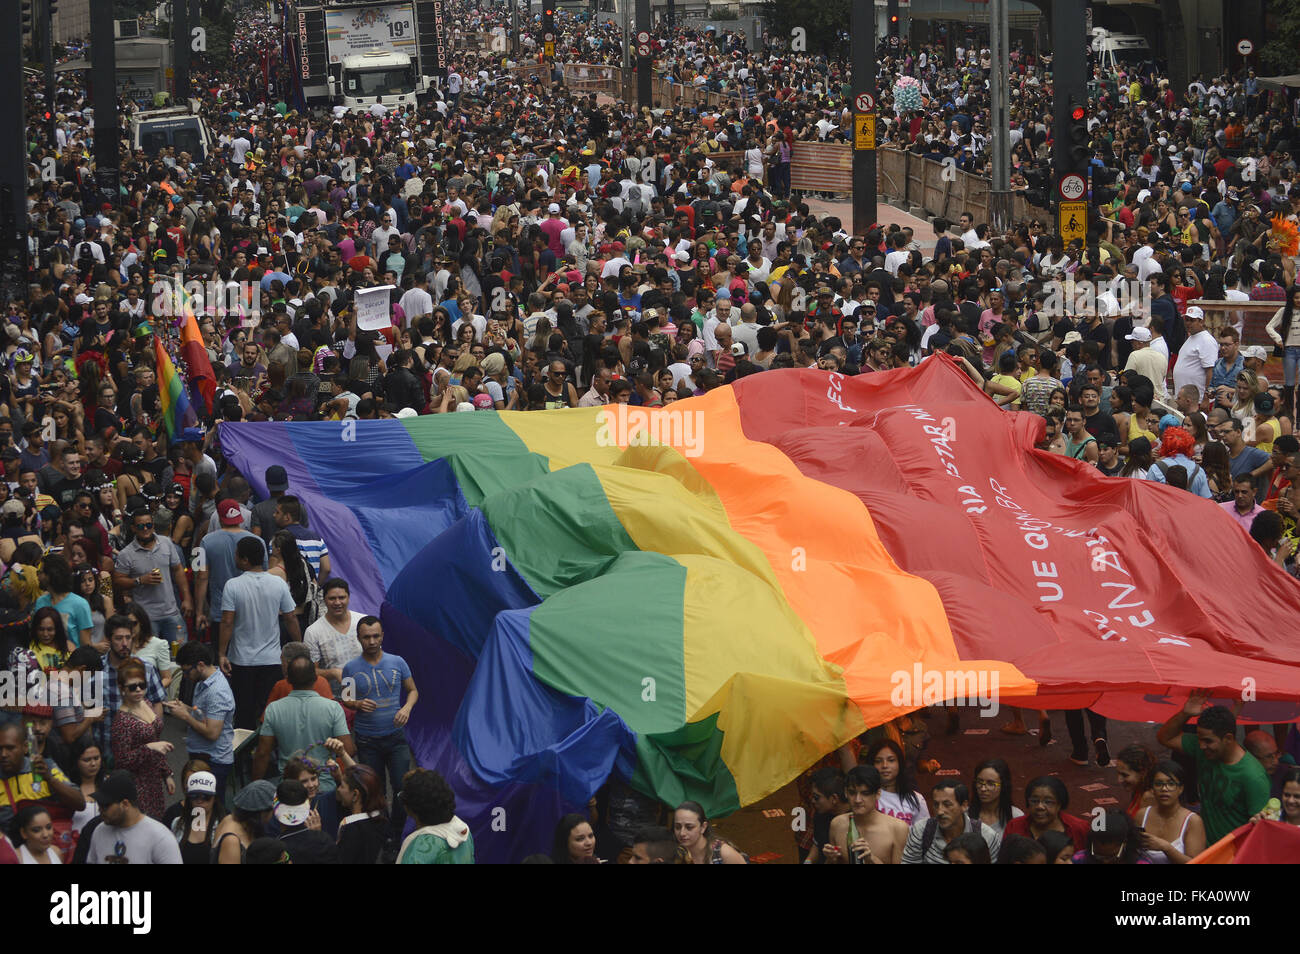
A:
(891, 8)
(1080, 154)
(29, 16)
(548, 17)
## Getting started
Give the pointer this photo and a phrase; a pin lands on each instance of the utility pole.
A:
(624, 7)
(181, 50)
(1000, 37)
(1070, 152)
(514, 29)
(13, 159)
(47, 55)
(644, 56)
(103, 75)
(863, 50)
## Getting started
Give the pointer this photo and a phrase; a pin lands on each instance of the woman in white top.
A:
(87, 767)
(991, 795)
(33, 832)
(1170, 832)
(898, 797)
(150, 648)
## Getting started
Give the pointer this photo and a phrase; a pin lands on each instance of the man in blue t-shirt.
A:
(372, 687)
(1244, 461)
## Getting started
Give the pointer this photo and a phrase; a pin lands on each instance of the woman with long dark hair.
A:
(286, 562)
(1133, 766)
(574, 842)
(898, 796)
(363, 826)
(1172, 833)
(1140, 459)
(246, 822)
(991, 786)
(196, 823)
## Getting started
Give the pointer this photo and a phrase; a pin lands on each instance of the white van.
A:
(153, 130)
(1119, 52)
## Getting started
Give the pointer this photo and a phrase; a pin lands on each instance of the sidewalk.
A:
(922, 230)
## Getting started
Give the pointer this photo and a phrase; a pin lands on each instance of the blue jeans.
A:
(171, 629)
(1290, 361)
(388, 753)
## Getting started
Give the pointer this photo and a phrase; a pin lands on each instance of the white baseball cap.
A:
(1195, 312)
(1139, 334)
(554, 207)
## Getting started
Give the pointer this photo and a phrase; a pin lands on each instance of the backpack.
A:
(1191, 474)
(312, 597)
(928, 832)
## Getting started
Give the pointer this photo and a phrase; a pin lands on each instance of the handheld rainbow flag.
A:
(195, 354)
(177, 412)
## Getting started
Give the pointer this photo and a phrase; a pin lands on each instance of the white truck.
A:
(376, 77)
(358, 54)
(1119, 52)
(180, 127)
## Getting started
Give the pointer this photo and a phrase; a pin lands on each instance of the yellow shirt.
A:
(1276, 429)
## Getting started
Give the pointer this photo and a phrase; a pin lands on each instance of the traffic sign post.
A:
(1072, 186)
(644, 61)
(1245, 47)
(862, 51)
(1072, 220)
(864, 131)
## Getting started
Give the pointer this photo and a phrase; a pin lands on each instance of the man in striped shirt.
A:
(288, 516)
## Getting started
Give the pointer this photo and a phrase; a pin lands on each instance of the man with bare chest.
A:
(865, 836)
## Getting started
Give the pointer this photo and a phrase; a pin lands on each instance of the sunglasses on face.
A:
(134, 687)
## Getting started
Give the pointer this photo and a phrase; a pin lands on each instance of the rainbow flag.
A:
(177, 412)
(702, 600)
(195, 355)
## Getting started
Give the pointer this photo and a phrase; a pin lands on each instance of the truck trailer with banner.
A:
(360, 54)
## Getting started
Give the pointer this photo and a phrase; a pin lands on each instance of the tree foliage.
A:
(1281, 54)
(826, 22)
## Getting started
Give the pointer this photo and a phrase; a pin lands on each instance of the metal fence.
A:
(940, 189)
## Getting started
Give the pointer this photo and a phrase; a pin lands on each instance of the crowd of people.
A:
(548, 248)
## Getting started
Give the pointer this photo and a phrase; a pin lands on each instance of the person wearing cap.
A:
(218, 566)
(263, 519)
(251, 813)
(197, 815)
(127, 836)
(1197, 356)
(1148, 362)
(299, 826)
(553, 227)
(210, 720)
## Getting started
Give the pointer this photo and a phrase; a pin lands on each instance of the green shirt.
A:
(300, 722)
(428, 849)
(1230, 794)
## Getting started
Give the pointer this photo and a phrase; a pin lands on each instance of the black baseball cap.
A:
(116, 787)
(277, 481)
